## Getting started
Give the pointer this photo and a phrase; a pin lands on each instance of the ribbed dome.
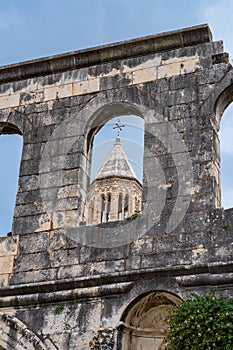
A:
(116, 164)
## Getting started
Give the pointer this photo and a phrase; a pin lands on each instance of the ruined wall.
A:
(71, 283)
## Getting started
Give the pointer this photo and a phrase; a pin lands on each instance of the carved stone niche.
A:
(145, 322)
(103, 340)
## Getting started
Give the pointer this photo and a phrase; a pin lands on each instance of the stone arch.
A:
(223, 98)
(96, 121)
(223, 101)
(14, 334)
(145, 321)
(9, 128)
(106, 112)
(11, 146)
(15, 122)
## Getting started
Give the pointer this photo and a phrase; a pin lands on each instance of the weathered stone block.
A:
(8, 246)
(106, 267)
(35, 261)
(133, 263)
(34, 276)
(182, 96)
(86, 87)
(72, 271)
(142, 246)
(4, 279)
(171, 258)
(6, 264)
(100, 254)
(33, 243)
(64, 257)
(144, 75)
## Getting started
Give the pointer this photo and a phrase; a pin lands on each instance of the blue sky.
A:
(32, 29)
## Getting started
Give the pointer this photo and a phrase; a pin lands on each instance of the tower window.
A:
(120, 206)
(126, 206)
(102, 217)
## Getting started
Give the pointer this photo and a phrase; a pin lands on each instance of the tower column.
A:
(114, 205)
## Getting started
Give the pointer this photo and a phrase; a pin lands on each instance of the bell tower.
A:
(115, 193)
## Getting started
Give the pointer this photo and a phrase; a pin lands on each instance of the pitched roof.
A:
(116, 164)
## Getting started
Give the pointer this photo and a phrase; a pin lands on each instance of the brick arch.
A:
(145, 320)
(14, 334)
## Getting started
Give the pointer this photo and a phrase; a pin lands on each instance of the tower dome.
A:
(116, 164)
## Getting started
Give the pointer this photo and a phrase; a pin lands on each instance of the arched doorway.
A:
(145, 321)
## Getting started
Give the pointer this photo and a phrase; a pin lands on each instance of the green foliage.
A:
(201, 323)
(134, 215)
(59, 308)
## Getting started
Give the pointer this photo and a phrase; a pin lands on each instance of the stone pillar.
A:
(114, 205)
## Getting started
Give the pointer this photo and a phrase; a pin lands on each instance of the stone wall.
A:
(8, 251)
(73, 285)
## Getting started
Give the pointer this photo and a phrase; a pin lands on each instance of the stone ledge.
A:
(51, 295)
(107, 53)
(205, 279)
(118, 277)
(58, 296)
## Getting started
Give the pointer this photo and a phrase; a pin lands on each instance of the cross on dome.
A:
(118, 126)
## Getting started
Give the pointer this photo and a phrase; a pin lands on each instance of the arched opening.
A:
(11, 143)
(226, 157)
(145, 321)
(116, 169)
(224, 118)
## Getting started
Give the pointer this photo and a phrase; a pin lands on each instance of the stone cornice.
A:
(102, 54)
(116, 283)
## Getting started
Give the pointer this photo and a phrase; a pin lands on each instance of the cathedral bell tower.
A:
(115, 193)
